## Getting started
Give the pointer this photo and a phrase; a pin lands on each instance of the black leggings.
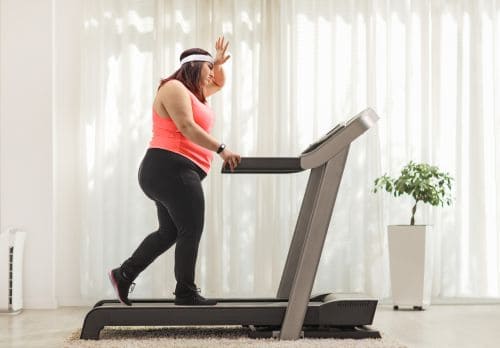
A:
(173, 182)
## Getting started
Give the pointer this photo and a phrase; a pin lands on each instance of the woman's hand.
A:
(231, 158)
(221, 47)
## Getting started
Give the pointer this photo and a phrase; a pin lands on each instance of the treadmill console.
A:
(330, 134)
(325, 137)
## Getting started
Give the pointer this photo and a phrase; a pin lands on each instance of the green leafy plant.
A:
(423, 182)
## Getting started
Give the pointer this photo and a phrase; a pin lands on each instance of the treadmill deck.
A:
(247, 312)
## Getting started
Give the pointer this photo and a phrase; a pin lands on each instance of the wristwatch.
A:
(221, 148)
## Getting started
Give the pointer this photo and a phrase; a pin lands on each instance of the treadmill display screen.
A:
(325, 137)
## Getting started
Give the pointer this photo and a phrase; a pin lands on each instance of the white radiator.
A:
(11, 271)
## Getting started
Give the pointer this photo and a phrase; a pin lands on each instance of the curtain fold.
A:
(429, 68)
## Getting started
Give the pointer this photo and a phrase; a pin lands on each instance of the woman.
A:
(177, 160)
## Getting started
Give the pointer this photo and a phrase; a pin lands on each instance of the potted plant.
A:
(410, 247)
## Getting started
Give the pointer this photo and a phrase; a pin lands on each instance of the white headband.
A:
(197, 58)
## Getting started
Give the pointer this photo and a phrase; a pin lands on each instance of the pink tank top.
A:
(166, 135)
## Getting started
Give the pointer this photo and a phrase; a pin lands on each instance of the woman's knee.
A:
(165, 236)
(190, 231)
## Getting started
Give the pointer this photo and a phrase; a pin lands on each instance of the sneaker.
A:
(121, 285)
(193, 299)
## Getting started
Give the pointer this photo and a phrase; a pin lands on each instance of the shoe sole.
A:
(195, 304)
(115, 287)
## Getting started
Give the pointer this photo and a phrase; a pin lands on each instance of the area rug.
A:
(211, 336)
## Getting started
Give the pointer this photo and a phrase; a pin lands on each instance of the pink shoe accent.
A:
(115, 286)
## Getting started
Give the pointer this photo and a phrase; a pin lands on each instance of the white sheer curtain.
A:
(430, 70)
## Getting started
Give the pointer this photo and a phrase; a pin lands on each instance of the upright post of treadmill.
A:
(315, 219)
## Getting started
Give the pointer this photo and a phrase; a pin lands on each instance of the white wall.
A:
(39, 101)
(67, 52)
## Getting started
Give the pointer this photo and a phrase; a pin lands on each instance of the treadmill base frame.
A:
(352, 332)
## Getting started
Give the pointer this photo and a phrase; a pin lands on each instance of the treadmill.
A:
(293, 313)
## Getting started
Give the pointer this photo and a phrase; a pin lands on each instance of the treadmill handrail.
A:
(265, 165)
(315, 155)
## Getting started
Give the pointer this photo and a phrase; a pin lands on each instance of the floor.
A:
(457, 326)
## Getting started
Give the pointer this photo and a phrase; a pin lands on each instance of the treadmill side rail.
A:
(266, 165)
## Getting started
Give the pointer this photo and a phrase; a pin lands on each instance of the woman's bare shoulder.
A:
(173, 91)
(173, 87)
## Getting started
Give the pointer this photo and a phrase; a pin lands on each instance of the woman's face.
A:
(206, 74)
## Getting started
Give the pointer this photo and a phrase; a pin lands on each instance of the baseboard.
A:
(39, 303)
(453, 301)
(74, 302)
(44, 303)
(466, 301)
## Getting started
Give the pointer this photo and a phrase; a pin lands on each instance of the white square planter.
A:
(411, 260)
